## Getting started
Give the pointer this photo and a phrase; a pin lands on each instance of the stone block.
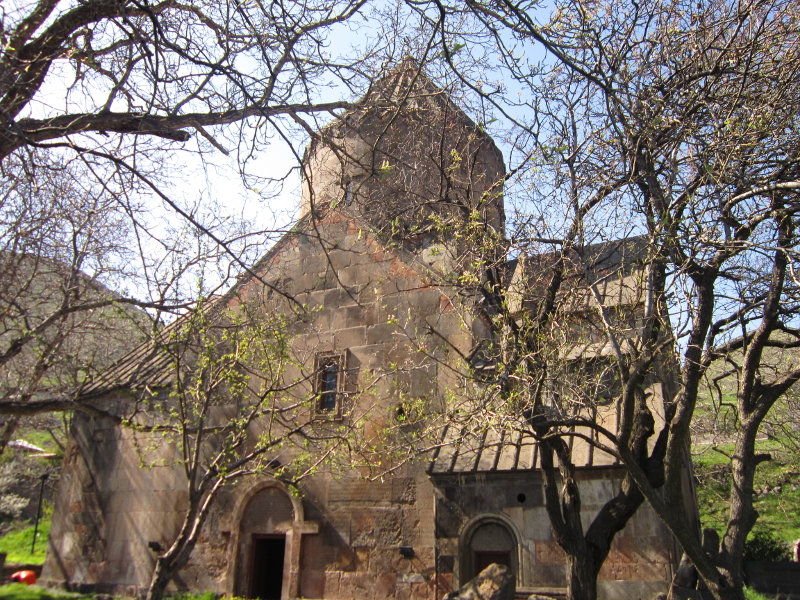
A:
(331, 585)
(625, 590)
(317, 554)
(634, 572)
(356, 275)
(425, 302)
(355, 586)
(595, 492)
(446, 563)
(421, 591)
(549, 552)
(120, 480)
(348, 338)
(312, 583)
(362, 558)
(366, 314)
(344, 559)
(384, 333)
(404, 490)
(361, 491)
(549, 575)
(340, 259)
(384, 585)
(444, 582)
(313, 263)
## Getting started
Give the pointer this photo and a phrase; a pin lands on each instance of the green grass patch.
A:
(17, 544)
(751, 594)
(777, 487)
(20, 591)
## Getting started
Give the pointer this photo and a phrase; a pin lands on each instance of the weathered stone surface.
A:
(687, 574)
(372, 301)
(495, 582)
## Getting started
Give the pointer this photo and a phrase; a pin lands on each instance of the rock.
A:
(686, 576)
(495, 582)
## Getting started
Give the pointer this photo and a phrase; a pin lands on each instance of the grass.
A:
(20, 591)
(751, 594)
(17, 545)
(777, 484)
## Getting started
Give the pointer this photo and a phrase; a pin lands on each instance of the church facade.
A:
(385, 329)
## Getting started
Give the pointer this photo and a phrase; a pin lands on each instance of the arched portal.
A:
(488, 541)
(263, 559)
(265, 520)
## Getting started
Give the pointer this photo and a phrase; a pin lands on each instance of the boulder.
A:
(686, 577)
(495, 582)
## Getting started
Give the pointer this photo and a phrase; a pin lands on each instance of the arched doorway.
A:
(263, 559)
(489, 541)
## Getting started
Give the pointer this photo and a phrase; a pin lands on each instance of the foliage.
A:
(653, 120)
(199, 596)
(751, 594)
(762, 545)
(11, 504)
(776, 485)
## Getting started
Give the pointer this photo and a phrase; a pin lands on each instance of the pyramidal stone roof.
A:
(405, 152)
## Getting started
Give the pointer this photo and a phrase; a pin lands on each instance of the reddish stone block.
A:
(356, 586)
(312, 583)
(549, 552)
(445, 305)
(384, 585)
(444, 583)
(402, 591)
(634, 572)
(421, 591)
(331, 585)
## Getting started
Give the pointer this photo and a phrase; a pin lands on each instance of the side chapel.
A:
(435, 522)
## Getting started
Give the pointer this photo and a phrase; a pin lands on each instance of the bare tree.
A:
(62, 242)
(674, 121)
(137, 80)
(158, 69)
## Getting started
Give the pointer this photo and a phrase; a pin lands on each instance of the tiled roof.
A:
(147, 366)
(501, 450)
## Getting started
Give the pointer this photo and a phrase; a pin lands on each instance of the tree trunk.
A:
(162, 575)
(741, 516)
(9, 428)
(581, 577)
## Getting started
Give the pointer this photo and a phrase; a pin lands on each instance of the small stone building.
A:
(370, 261)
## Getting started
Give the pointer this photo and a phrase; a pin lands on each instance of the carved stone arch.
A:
(481, 527)
(265, 509)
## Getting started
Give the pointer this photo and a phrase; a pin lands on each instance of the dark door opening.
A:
(266, 575)
(485, 558)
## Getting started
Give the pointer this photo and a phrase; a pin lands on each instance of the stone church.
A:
(372, 262)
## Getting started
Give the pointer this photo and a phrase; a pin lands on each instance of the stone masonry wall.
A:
(367, 301)
(639, 565)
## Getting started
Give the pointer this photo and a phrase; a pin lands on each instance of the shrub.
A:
(762, 545)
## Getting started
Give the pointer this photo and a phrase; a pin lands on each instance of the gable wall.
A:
(374, 303)
(362, 299)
